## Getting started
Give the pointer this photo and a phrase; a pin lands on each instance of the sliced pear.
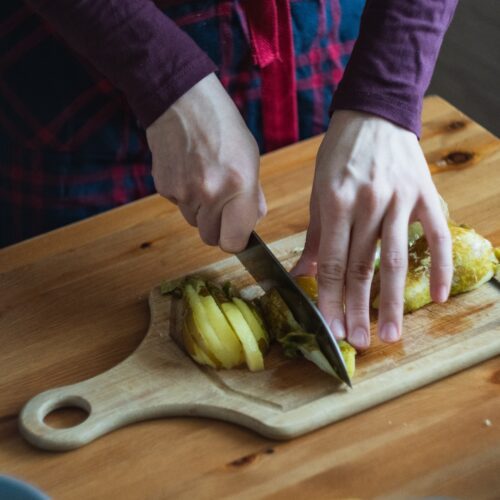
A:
(255, 323)
(194, 343)
(187, 338)
(202, 328)
(253, 356)
(223, 329)
(194, 350)
(201, 358)
(241, 328)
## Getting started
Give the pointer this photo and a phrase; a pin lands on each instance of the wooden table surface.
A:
(74, 303)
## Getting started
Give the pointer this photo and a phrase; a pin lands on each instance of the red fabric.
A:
(263, 26)
(270, 27)
(70, 147)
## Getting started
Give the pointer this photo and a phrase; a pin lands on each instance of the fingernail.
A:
(389, 332)
(338, 329)
(442, 295)
(359, 337)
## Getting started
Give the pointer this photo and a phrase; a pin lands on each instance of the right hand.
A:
(206, 161)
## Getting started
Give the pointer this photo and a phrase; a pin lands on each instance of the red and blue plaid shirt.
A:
(70, 146)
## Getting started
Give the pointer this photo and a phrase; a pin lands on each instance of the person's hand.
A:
(206, 161)
(371, 180)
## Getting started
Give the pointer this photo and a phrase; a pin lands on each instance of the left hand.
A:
(371, 180)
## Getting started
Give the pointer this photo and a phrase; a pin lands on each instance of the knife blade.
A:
(262, 264)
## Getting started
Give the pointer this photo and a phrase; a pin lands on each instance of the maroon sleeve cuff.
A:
(133, 44)
(393, 59)
(404, 114)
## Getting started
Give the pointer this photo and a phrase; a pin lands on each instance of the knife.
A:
(261, 263)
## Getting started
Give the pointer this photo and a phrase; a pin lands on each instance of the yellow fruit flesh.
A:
(201, 358)
(474, 263)
(193, 341)
(349, 355)
(204, 329)
(309, 285)
(254, 322)
(225, 334)
(253, 356)
(223, 329)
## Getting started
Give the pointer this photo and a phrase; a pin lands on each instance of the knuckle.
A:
(358, 309)
(393, 304)
(175, 198)
(393, 260)
(361, 271)
(403, 195)
(178, 194)
(370, 198)
(443, 268)
(182, 199)
(439, 237)
(234, 180)
(212, 189)
(333, 305)
(338, 202)
(208, 194)
(331, 272)
(207, 188)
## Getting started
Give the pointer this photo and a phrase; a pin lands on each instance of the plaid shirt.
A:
(70, 146)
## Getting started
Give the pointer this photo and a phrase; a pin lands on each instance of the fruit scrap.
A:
(294, 339)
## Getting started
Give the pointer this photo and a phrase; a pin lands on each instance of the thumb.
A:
(239, 216)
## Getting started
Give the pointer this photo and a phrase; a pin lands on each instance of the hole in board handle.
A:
(69, 412)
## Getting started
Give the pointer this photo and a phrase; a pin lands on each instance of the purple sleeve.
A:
(139, 49)
(393, 59)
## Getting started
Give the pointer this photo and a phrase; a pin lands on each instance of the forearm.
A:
(393, 59)
(139, 49)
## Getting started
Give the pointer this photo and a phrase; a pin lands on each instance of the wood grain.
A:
(290, 397)
(74, 304)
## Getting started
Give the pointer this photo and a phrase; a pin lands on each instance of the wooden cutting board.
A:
(288, 398)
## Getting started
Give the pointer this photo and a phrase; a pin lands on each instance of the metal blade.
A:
(261, 263)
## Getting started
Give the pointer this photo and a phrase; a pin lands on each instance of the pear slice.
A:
(255, 323)
(253, 356)
(203, 330)
(194, 350)
(223, 329)
(241, 328)
(201, 358)
(195, 345)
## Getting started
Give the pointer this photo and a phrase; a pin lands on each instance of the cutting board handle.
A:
(140, 387)
(100, 397)
(115, 399)
(125, 394)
